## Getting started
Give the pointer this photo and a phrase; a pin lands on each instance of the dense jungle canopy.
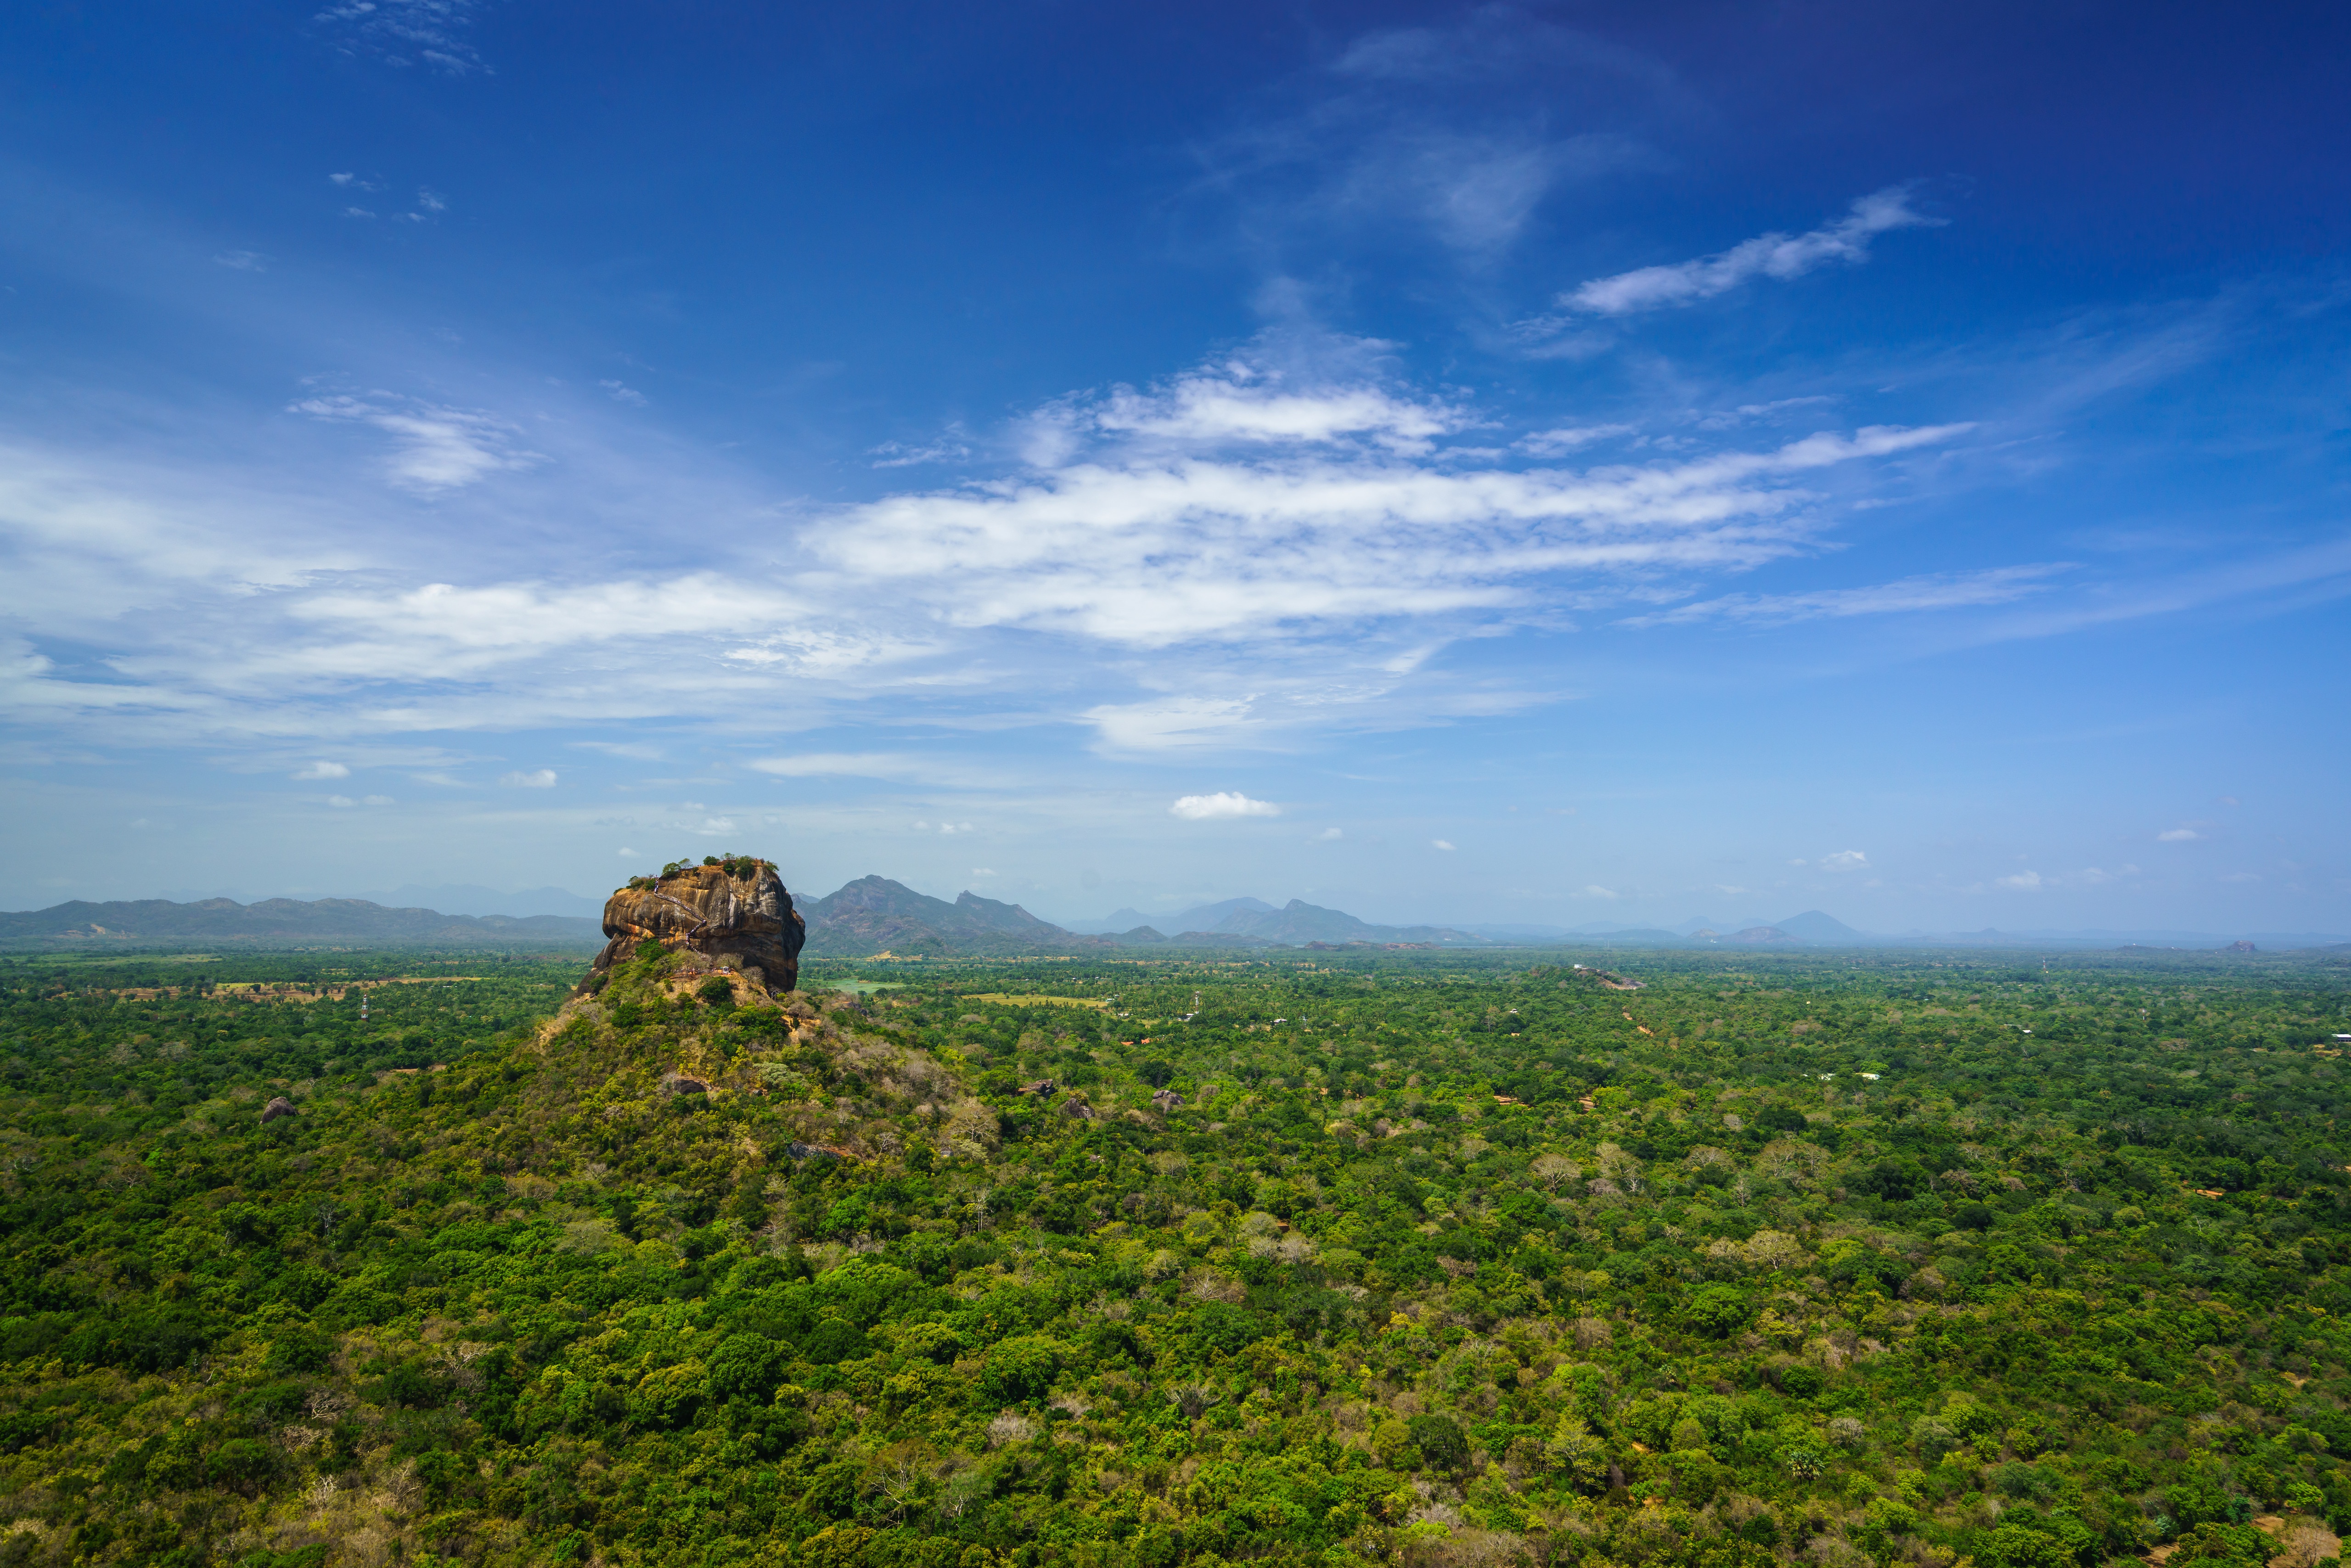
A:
(1837, 1258)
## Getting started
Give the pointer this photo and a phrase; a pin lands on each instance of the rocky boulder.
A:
(732, 916)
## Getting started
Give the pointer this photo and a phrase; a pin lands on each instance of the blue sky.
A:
(1476, 463)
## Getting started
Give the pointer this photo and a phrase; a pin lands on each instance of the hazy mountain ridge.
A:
(874, 914)
(280, 920)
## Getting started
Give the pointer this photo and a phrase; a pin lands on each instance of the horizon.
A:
(1466, 465)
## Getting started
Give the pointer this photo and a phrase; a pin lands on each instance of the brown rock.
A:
(1042, 1086)
(1168, 1100)
(744, 922)
(280, 1107)
(679, 1083)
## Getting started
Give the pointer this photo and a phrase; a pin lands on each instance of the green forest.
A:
(1944, 1260)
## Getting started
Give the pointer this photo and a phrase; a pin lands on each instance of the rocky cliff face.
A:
(733, 916)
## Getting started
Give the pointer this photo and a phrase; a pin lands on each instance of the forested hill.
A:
(1429, 1259)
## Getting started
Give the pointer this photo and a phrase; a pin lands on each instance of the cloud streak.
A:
(1911, 595)
(436, 448)
(1782, 257)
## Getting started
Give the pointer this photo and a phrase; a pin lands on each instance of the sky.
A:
(1539, 463)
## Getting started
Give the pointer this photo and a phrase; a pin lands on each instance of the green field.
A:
(1924, 1258)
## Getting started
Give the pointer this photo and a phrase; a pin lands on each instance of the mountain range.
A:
(283, 922)
(873, 914)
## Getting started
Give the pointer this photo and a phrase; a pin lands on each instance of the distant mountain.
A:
(446, 898)
(876, 914)
(1218, 917)
(278, 922)
(1112, 923)
(1299, 923)
(1812, 925)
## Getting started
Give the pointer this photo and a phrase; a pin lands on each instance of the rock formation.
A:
(733, 916)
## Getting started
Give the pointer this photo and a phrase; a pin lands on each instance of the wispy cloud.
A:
(428, 33)
(242, 261)
(1775, 255)
(1453, 135)
(1189, 533)
(898, 454)
(1951, 590)
(893, 766)
(536, 779)
(435, 447)
(1570, 438)
(317, 770)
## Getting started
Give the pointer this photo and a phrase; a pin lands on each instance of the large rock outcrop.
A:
(735, 915)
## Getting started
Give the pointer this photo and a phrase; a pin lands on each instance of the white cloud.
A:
(241, 260)
(356, 212)
(536, 779)
(1223, 804)
(1949, 591)
(437, 448)
(340, 800)
(1328, 834)
(1593, 890)
(1441, 845)
(1845, 859)
(628, 854)
(982, 871)
(342, 179)
(1281, 522)
(2022, 881)
(620, 392)
(378, 800)
(1778, 256)
(1149, 547)
(1239, 401)
(323, 769)
(2176, 835)
(432, 200)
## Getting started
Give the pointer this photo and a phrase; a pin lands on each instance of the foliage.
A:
(1422, 1258)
